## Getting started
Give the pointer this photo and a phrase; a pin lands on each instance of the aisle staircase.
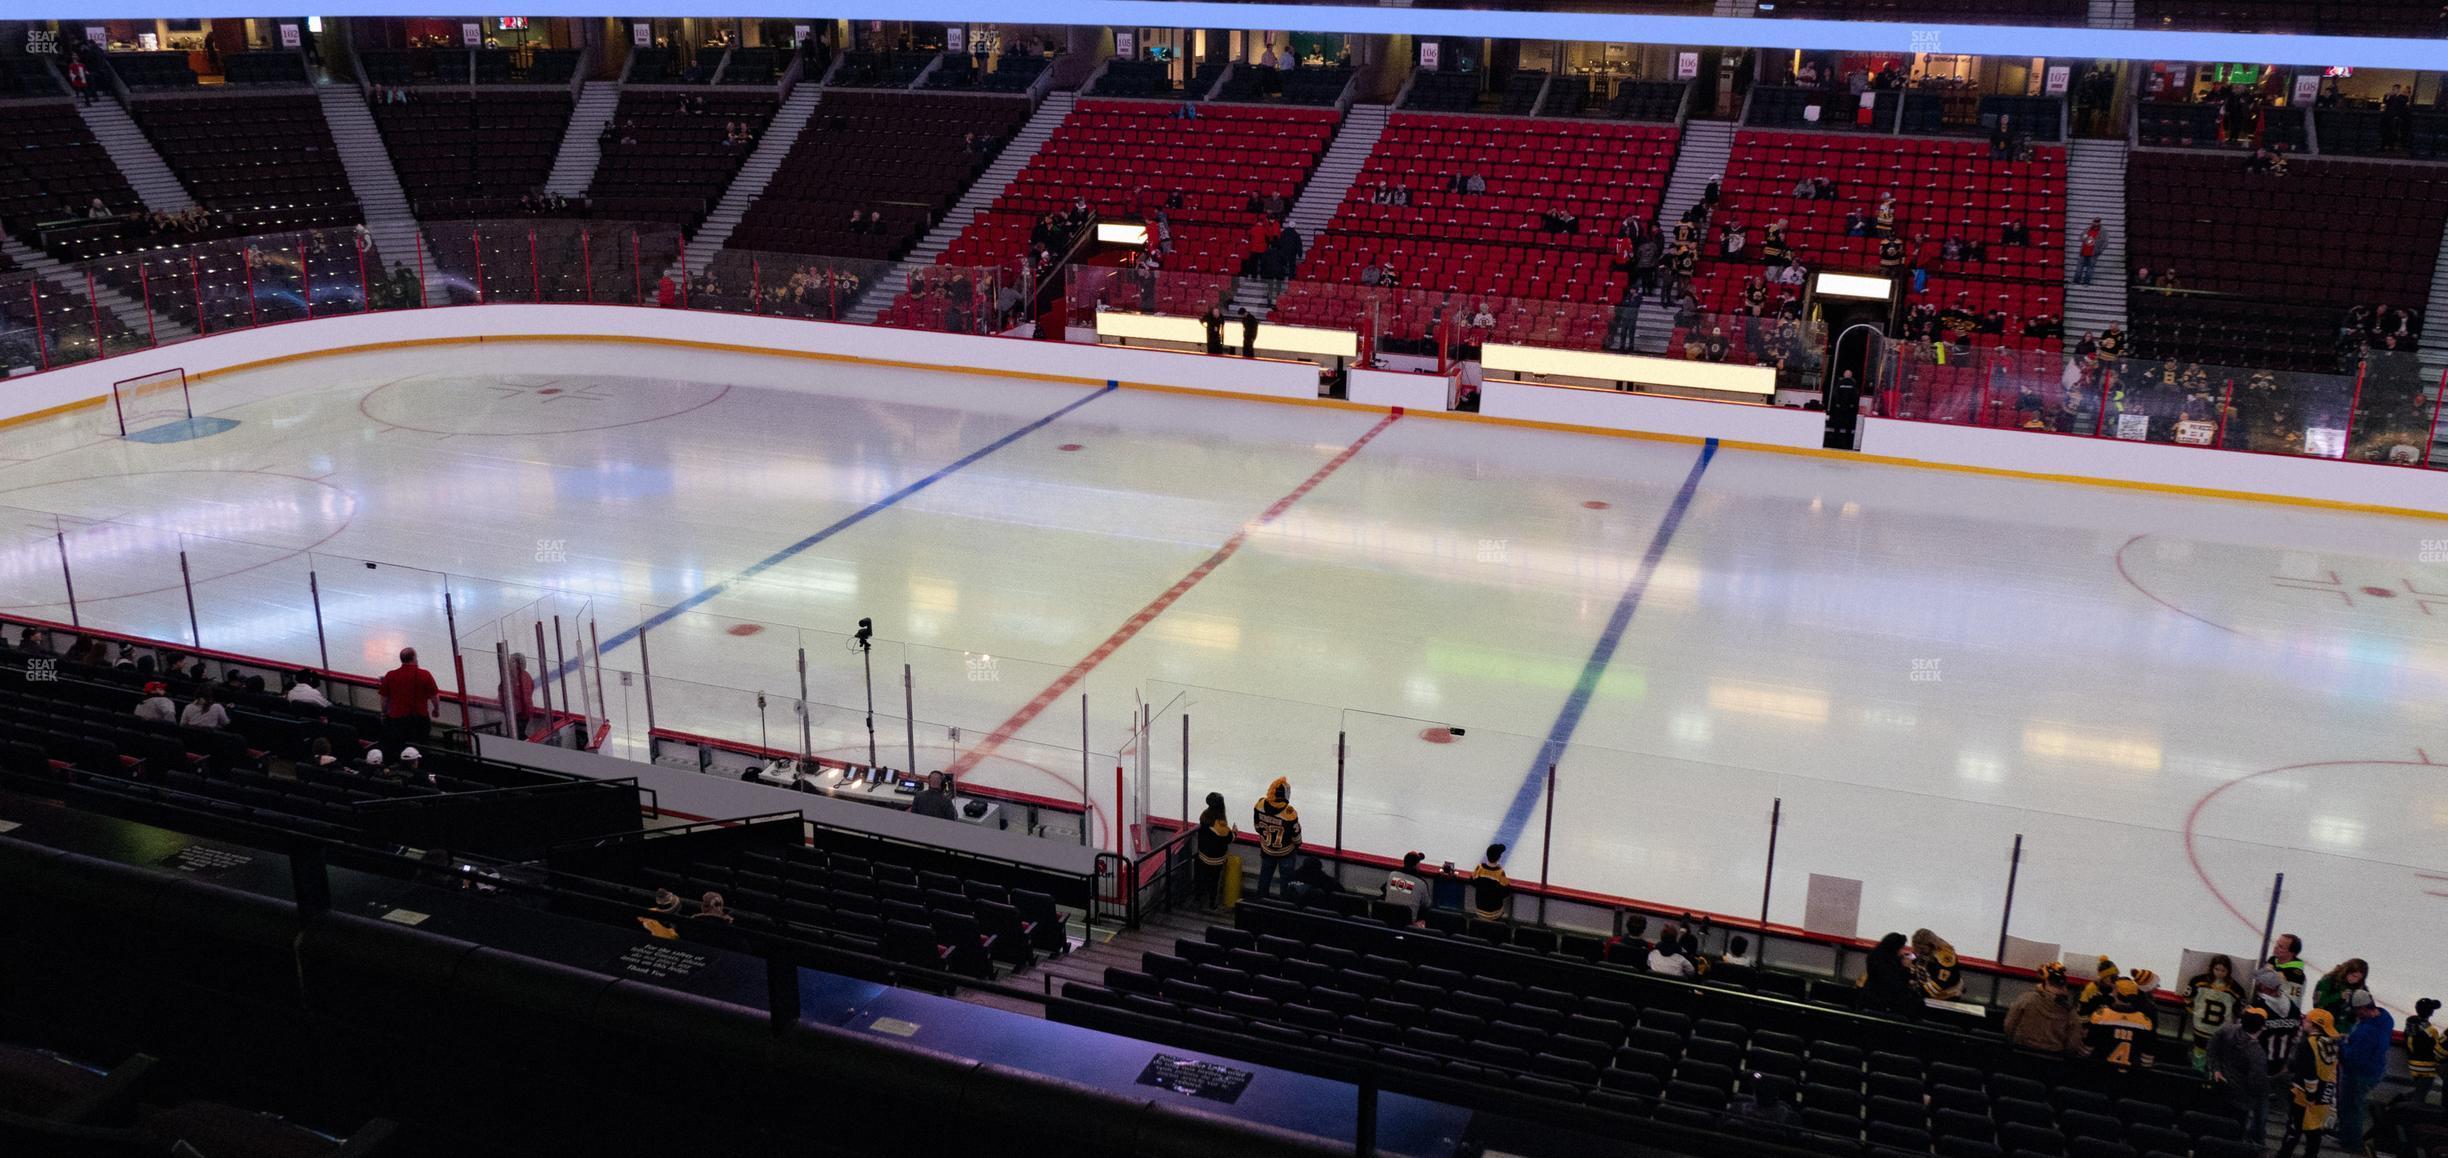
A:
(2434, 353)
(1702, 154)
(1346, 155)
(982, 192)
(2095, 187)
(2111, 14)
(582, 142)
(780, 137)
(133, 153)
(377, 185)
(129, 311)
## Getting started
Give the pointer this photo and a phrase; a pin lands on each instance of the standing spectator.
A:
(2121, 1034)
(1405, 887)
(2336, 989)
(80, 82)
(1491, 890)
(2043, 1019)
(1249, 330)
(1887, 982)
(2282, 1020)
(1215, 838)
(2239, 1069)
(2286, 952)
(2423, 1048)
(157, 706)
(409, 701)
(2089, 257)
(2363, 1061)
(2312, 1086)
(2102, 987)
(1277, 824)
(1213, 321)
(205, 712)
(306, 688)
(521, 692)
(2212, 999)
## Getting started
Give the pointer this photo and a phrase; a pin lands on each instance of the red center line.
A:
(1138, 622)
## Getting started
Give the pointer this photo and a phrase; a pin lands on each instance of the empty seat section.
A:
(666, 157)
(473, 155)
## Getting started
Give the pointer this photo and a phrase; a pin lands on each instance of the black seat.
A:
(1633, 1082)
(1515, 1034)
(1696, 1094)
(2085, 1124)
(1959, 1146)
(2022, 1138)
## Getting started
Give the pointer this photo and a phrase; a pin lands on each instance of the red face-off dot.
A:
(549, 390)
(2380, 592)
(1597, 504)
(745, 628)
(1068, 446)
(1437, 735)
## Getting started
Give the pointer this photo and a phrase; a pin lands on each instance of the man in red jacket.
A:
(409, 699)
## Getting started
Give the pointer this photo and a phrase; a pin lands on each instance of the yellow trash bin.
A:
(1232, 879)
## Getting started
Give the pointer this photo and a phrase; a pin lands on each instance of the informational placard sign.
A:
(471, 33)
(2307, 89)
(956, 39)
(642, 35)
(97, 34)
(799, 33)
(1687, 65)
(1200, 1079)
(289, 35)
(2195, 432)
(1832, 905)
(2060, 76)
(2325, 441)
(2133, 427)
(1126, 45)
(1429, 53)
(206, 861)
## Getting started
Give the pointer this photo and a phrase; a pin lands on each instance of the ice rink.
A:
(2169, 698)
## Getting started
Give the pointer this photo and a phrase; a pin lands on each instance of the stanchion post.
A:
(2269, 924)
(1087, 810)
(2014, 871)
(646, 676)
(1338, 808)
(909, 716)
(1547, 843)
(187, 583)
(450, 621)
(314, 595)
(66, 579)
(807, 733)
(1776, 822)
(1187, 815)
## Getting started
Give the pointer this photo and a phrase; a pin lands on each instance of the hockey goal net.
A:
(147, 401)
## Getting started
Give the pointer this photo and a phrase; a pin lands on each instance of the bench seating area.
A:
(892, 69)
(1943, 189)
(898, 154)
(151, 70)
(462, 154)
(679, 164)
(1127, 157)
(2291, 254)
(1011, 72)
(263, 163)
(1515, 1006)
